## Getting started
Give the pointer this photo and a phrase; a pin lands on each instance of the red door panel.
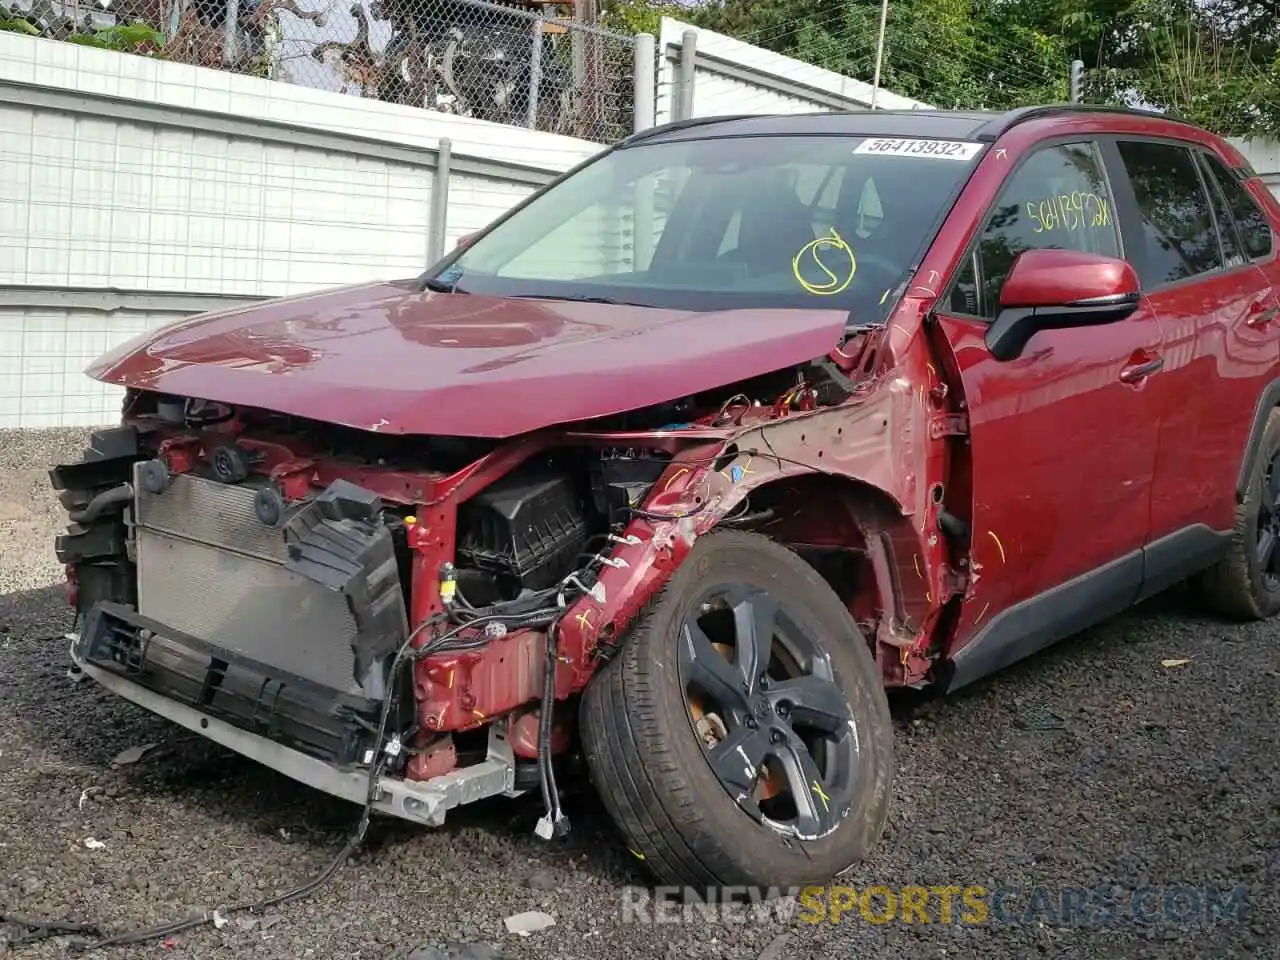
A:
(1063, 454)
(1219, 357)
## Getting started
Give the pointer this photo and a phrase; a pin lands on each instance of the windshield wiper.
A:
(439, 286)
(568, 299)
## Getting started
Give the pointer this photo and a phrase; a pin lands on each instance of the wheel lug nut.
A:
(764, 681)
(751, 723)
(775, 736)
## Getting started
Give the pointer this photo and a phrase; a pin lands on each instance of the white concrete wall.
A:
(180, 185)
(732, 77)
(1264, 155)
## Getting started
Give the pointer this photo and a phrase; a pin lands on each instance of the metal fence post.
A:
(535, 76)
(688, 53)
(440, 200)
(230, 36)
(645, 82)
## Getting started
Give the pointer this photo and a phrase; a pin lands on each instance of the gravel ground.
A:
(1158, 776)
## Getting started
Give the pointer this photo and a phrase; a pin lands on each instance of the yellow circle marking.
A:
(834, 284)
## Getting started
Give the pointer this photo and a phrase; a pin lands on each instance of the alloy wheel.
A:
(762, 697)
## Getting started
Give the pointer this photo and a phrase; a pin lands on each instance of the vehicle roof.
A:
(943, 124)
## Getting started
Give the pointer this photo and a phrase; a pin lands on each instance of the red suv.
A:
(684, 461)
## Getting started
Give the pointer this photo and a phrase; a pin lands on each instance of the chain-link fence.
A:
(520, 62)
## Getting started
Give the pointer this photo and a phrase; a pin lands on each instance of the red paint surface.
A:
(383, 358)
(1056, 277)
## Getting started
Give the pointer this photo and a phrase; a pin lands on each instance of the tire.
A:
(1239, 586)
(655, 776)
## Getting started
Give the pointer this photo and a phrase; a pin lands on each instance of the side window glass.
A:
(1226, 222)
(1253, 224)
(1177, 224)
(1057, 199)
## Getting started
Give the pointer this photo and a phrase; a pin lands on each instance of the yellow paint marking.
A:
(981, 613)
(833, 284)
(992, 535)
(636, 853)
(826, 800)
(915, 560)
(584, 620)
(450, 679)
(674, 477)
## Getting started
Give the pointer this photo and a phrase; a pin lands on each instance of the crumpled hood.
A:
(383, 357)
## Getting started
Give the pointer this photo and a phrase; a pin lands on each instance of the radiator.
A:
(209, 568)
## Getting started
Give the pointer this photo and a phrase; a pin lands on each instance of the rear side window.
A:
(1255, 230)
(1232, 253)
(1057, 199)
(1177, 221)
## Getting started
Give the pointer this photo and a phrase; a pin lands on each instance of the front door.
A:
(1063, 438)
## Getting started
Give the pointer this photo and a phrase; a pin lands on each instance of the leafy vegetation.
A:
(1214, 62)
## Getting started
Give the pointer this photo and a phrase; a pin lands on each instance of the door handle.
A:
(1260, 315)
(1135, 372)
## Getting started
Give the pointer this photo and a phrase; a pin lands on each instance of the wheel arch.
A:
(1268, 401)
(858, 538)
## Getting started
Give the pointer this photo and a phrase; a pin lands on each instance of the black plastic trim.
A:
(1069, 608)
(1172, 559)
(1002, 124)
(1267, 402)
(1041, 621)
(317, 720)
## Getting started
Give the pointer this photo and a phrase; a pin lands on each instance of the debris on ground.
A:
(93, 844)
(132, 755)
(1175, 663)
(531, 921)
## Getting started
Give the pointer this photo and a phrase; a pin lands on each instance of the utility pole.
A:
(1077, 80)
(875, 83)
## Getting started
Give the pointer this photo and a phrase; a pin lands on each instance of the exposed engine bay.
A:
(428, 607)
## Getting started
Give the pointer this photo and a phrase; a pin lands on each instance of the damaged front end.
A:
(328, 601)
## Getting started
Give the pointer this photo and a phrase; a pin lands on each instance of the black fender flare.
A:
(1267, 401)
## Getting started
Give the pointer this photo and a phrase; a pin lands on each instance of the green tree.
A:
(1214, 62)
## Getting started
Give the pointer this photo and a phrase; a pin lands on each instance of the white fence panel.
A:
(138, 191)
(732, 77)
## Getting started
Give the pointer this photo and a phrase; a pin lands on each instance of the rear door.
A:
(1063, 441)
(1217, 312)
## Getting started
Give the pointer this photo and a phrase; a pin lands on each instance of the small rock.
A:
(523, 924)
(246, 923)
(31, 886)
(543, 880)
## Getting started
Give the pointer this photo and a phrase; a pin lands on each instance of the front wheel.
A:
(742, 735)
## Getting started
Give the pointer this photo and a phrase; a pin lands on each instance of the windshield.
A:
(716, 224)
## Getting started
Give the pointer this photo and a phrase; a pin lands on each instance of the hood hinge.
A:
(949, 425)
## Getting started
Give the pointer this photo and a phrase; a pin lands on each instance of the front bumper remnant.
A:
(425, 802)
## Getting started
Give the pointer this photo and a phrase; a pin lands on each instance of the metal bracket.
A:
(949, 425)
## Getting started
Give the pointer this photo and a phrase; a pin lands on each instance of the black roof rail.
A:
(683, 125)
(1002, 124)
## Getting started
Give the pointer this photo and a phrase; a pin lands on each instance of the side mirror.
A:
(1058, 289)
